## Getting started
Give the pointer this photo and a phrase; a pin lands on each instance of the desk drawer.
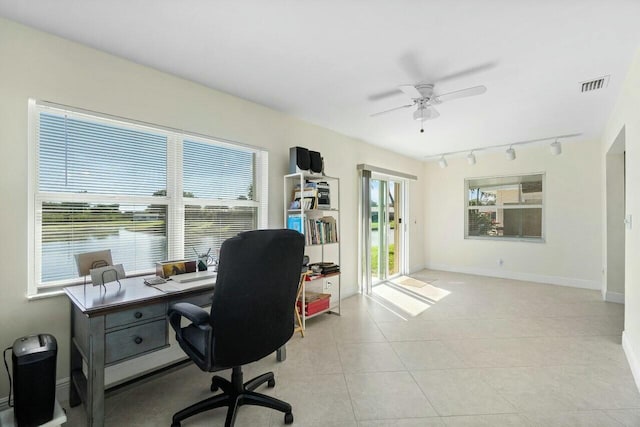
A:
(135, 340)
(135, 315)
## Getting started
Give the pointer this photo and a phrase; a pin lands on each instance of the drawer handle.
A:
(137, 315)
(137, 340)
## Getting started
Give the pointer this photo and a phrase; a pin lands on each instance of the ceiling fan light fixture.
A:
(442, 162)
(510, 153)
(421, 114)
(556, 148)
(471, 158)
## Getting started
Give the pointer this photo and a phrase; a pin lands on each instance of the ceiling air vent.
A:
(595, 84)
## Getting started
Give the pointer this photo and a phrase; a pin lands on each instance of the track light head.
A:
(556, 148)
(510, 153)
(442, 162)
(471, 158)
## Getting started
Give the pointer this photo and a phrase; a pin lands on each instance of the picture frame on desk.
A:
(167, 269)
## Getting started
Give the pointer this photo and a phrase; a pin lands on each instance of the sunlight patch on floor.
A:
(407, 303)
(409, 281)
(391, 308)
(433, 293)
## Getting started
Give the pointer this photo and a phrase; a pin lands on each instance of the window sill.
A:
(45, 294)
(507, 239)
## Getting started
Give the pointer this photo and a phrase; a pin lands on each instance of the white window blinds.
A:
(146, 193)
(81, 156)
(219, 195)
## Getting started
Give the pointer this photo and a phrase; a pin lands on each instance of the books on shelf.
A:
(306, 203)
(308, 185)
(295, 222)
(324, 268)
(317, 231)
(297, 194)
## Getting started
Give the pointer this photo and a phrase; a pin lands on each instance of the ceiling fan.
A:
(424, 99)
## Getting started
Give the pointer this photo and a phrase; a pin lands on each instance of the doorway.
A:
(613, 290)
(383, 248)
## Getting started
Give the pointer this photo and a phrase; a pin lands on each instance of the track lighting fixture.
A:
(442, 162)
(510, 153)
(555, 147)
(471, 158)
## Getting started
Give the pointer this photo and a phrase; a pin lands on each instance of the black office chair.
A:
(251, 317)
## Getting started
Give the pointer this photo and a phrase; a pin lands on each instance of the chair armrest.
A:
(197, 315)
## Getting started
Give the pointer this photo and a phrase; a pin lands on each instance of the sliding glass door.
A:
(385, 228)
(382, 241)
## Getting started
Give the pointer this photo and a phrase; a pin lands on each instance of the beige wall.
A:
(571, 253)
(40, 66)
(626, 117)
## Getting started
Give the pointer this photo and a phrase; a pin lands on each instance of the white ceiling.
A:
(322, 61)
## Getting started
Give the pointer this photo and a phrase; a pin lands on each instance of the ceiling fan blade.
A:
(471, 91)
(392, 109)
(471, 70)
(411, 91)
(382, 95)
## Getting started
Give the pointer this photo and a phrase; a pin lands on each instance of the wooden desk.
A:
(112, 326)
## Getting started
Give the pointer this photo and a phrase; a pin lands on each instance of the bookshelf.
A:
(312, 207)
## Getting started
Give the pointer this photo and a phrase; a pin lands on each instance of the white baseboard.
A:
(616, 297)
(62, 390)
(347, 295)
(62, 394)
(632, 358)
(416, 268)
(528, 277)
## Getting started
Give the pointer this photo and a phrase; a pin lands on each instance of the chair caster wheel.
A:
(175, 424)
(288, 418)
(271, 383)
(214, 388)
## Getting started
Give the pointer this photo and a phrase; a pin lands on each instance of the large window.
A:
(147, 193)
(508, 207)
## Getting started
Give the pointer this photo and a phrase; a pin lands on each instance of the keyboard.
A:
(192, 277)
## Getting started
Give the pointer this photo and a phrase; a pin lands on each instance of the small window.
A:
(508, 207)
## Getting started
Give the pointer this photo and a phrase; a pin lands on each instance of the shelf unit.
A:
(318, 218)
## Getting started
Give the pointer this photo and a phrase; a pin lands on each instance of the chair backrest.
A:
(253, 303)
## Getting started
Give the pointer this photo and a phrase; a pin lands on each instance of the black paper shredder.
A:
(34, 379)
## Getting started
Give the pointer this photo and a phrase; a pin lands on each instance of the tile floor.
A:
(493, 352)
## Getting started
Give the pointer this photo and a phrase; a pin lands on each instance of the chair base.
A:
(235, 393)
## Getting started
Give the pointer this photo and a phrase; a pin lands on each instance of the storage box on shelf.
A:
(314, 303)
(311, 206)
